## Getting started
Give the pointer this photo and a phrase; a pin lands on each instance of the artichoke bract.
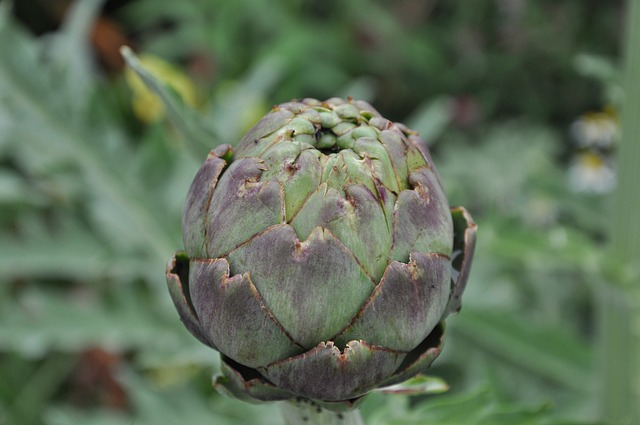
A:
(321, 255)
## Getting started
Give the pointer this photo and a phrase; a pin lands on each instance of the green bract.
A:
(321, 255)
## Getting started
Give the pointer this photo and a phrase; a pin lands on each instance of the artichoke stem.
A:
(306, 412)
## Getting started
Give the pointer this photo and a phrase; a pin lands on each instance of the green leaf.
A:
(238, 105)
(547, 352)
(38, 384)
(39, 321)
(417, 385)
(431, 118)
(193, 127)
(43, 138)
(152, 404)
(69, 51)
(39, 254)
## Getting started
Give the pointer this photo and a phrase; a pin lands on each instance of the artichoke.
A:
(321, 255)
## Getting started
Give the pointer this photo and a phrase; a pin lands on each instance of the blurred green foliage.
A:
(91, 197)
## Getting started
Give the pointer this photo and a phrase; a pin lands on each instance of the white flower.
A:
(596, 129)
(589, 172)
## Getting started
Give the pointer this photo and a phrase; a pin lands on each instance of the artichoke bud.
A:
(321, 255)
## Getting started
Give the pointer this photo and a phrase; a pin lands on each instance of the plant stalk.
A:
(619, 300)
(306, 412)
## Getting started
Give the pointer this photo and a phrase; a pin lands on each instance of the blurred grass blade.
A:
(619, 300)
(193, 128)
(240, 103)
(5, 10)
(32, 396)
(431, 118)
(363, 88)
(597, 67)
(69, 50)
(544, 352)
(418, 385)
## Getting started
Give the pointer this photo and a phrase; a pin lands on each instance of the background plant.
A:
(91, 195)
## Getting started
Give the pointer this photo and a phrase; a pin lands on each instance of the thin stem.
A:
(305, 412)
(619, 300)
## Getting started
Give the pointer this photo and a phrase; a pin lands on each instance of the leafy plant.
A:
(90, 198)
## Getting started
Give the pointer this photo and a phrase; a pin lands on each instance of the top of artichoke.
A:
(337, 165)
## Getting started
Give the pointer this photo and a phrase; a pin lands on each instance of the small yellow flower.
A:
(146, 105)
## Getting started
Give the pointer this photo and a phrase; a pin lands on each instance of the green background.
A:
(91, 196)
